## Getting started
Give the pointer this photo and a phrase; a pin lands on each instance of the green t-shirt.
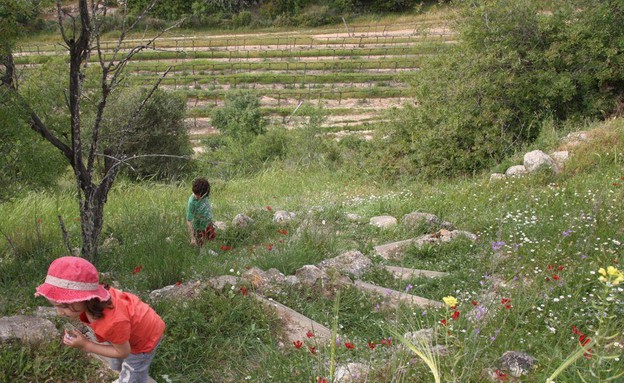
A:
(199, 212)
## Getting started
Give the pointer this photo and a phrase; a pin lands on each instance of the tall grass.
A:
(541, 241)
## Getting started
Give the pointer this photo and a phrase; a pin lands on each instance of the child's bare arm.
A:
(77, 340)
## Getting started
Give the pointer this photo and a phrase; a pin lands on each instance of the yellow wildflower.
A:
(450, 301)
(611, 275)
(602, 271)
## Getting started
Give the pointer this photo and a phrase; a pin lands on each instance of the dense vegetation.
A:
(517, 77)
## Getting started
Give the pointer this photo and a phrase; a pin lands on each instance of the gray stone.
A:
(353, 217)
(46, 312)
(575, 138)
(221, 282)
(274, 276)
(283, 216)
(421, 336)
(241, 220)
(350, 262)
(516, 170)
(497, 176)
(291, 280)
(517, 363)
(311, 275)
(417, 218)
(536, 160)
(220, 225)
(255, 276)
(383, 221)
(27, 329)
(352, 373)
(187, 290)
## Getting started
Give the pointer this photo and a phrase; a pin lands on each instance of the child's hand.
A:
(74, 339)
(193, 242)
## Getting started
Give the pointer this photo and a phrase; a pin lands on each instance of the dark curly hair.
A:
(201, 187)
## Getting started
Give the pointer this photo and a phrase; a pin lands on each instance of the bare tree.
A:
(81, 35)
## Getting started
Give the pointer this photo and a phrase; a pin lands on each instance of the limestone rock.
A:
(221, 282)
(417, 218)
(352, 373)
(383, 221)
(516, 170)
(187, 290)
(536, 160)
(350, 262)
(311, 275)
(517, 363)
(27, 329)
(283, 216)
(241, 220)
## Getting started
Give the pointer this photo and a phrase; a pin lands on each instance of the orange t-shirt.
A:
(130, 319)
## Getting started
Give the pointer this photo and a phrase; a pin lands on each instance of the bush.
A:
(158, 129)
(514, 67)
(240, 117)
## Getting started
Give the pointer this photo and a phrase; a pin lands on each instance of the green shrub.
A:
(241, 19)
(240, 117)
(158, 129)
(514, 67)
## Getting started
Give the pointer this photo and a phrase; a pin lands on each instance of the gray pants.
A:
(135, 368)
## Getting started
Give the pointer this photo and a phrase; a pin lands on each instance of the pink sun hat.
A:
(70, 280)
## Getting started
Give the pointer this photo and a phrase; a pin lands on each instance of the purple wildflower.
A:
(497, 245)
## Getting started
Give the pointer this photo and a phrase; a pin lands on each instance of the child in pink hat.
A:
(132, 328)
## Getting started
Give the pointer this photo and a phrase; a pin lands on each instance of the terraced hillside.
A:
(354, 72)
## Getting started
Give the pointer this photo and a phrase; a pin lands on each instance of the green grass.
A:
(556, 231)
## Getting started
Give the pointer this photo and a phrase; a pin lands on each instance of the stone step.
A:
(297, 325)
(397, 296)
(406, 273)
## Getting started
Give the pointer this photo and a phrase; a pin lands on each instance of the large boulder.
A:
(536, 160)
(27, 329)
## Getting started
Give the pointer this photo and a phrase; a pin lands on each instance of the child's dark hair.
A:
(201, 187)
(96, 307)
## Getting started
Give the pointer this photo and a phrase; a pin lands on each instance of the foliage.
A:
(158, 129)
(17, 18)
(542, 243)
(240, 116)
(514, 67)
(26, 160)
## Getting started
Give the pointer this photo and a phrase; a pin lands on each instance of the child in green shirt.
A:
(199, 213)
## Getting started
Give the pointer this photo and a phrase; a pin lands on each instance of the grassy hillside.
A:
(541, 242)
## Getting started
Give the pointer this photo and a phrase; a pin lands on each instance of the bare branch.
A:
(119, 66)
(124, 161)
(65, 235)
(59, 13)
